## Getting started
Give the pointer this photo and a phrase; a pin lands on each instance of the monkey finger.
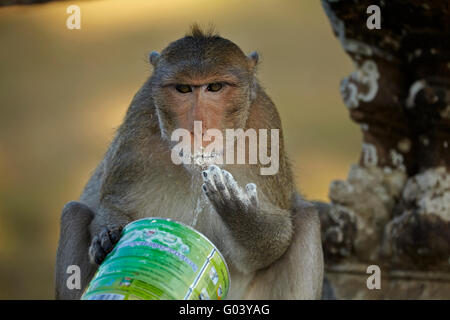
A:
(210, 182)
(236, 194)
(252, 193)
(214, 198)
(219, 181)
(105, 241)
(96, 253)
(115, 234)
(212, 195)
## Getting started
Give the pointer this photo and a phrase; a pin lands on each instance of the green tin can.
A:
(160, 259)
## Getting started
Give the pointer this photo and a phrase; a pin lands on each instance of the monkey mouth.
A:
(201, 160)
(206, 159)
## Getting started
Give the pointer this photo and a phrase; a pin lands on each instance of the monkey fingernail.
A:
(213, 168)
(226, 173)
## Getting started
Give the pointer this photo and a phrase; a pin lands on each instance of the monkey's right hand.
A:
(103, 243)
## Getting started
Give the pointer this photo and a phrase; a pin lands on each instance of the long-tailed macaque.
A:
(269, 235)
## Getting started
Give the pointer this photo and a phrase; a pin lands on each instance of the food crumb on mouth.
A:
(204, 160)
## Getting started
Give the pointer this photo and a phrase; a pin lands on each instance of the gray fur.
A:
(269, 237)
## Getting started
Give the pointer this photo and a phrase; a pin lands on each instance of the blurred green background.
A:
(64, 92)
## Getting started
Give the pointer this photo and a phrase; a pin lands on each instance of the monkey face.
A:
(202, 107)
(202, 85)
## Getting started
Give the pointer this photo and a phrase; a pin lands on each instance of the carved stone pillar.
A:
(394, 208)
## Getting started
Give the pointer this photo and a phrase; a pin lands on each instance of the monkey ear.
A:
(253, 59)
(154, 58)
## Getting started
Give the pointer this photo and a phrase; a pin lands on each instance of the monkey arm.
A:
(113, 188)
(298, 273)
(73, 249)
(260, 231)
(267, 233)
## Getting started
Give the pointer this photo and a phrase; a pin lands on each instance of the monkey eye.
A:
(214, 87)
(183, 88)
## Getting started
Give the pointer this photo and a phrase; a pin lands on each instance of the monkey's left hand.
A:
(226, 196)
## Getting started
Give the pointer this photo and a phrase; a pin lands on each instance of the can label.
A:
(160, 259)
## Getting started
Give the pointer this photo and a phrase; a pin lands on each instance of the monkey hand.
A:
(262, 230)
(103, 243)
(227, 197)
